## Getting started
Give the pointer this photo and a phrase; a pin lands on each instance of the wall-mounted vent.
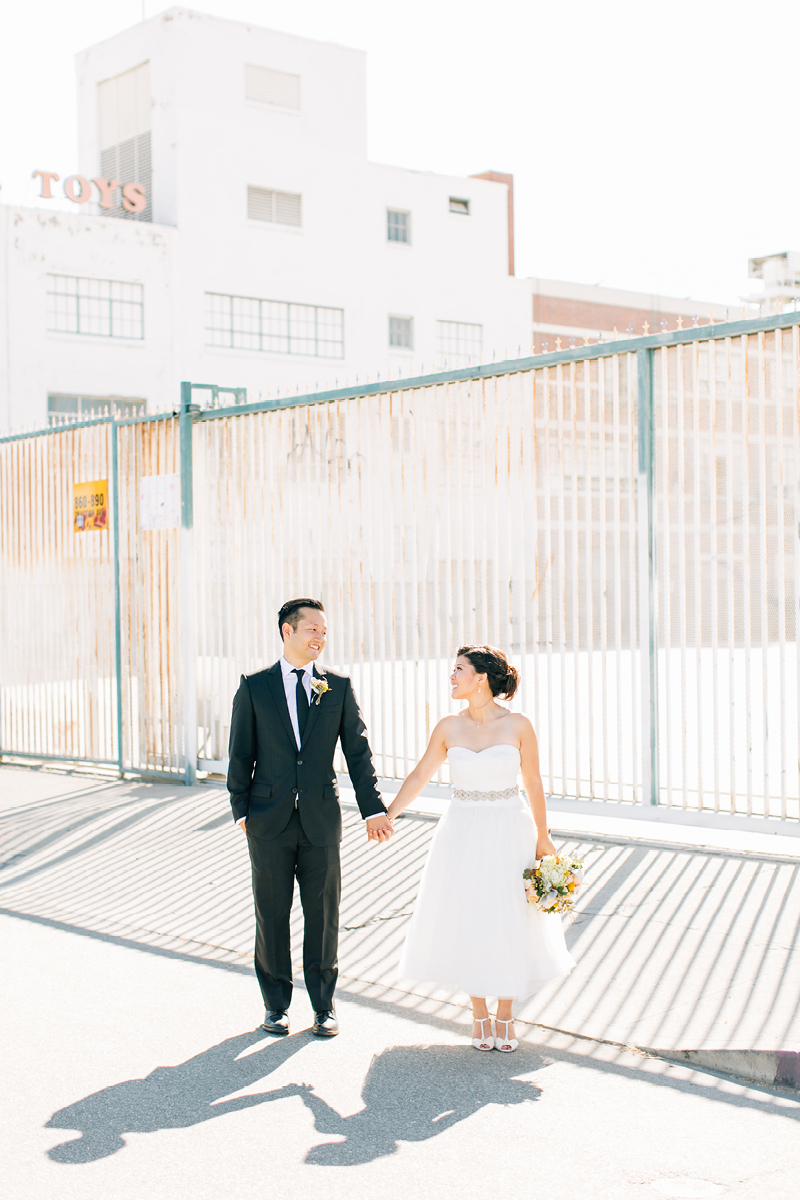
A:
(282, 208)
(277, 88)
(123, 112)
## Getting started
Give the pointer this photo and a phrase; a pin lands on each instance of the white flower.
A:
(319, 688)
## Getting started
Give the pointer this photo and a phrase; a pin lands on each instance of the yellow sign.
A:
(90, 505)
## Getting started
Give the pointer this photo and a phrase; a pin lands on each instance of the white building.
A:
(269, 253)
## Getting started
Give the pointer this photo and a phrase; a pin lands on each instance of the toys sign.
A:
(78, 189)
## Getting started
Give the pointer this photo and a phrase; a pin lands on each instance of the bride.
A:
(472, 927)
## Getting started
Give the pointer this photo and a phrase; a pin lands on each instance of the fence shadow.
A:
(410, 1093)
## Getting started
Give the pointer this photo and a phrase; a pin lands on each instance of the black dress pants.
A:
(276, 863)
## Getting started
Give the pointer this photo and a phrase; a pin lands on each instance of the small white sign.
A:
(159, 502)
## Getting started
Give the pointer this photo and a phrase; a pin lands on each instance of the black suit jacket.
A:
(267, 774)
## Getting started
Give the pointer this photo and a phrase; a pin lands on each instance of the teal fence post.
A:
(647, 578)
(188, 607)
(117, 593)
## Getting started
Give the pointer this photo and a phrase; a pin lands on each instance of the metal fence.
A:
(623, 519)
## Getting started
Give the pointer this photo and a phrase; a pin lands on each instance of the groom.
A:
(285, 725)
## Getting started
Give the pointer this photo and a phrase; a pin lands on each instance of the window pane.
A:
(302, 329)
(126, 320)
(400, 332)
(275, 326)
(94, 315)
(459, 206)
(330, 332)
(218, 320)
(95, 307)
(62, 313)
(457, 339)
(397, 225)
(246, 324)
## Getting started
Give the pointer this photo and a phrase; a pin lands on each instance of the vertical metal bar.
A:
(665, 551)
(746, 568)
(562, 569)
(117, 592)
(575, 599)
(795, 376)
(647, 615)
(697, 541)
(548, 573)
(681, 497)
(780, 560)
(188, 606)
(713, 568)
(763, 563)
(617, 536)
(601, 422)
(730, 594)
(632, 488)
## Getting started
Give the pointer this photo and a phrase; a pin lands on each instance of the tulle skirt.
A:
(472, 927)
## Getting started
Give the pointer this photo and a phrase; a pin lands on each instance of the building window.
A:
(398, 226)
(282, 208)
(123, 109)
(277, 88)
(401, 332)
(95, 307)
(274, 326)
(455, 339)
(62, 409)
(459, 206)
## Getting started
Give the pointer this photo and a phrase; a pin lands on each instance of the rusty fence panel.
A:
(58, 693)
(500, 510)
(728, 543)
(623, 520)
(149, 573)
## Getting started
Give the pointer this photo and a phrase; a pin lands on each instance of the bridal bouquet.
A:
(553, 884)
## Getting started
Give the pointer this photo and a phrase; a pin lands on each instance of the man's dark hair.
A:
(290, 612)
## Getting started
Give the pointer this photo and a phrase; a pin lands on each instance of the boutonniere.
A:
(319, 688)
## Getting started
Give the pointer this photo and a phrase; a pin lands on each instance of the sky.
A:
(652, 145)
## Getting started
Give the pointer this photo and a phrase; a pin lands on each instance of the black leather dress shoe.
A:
(276, 1021)
(325, 1024)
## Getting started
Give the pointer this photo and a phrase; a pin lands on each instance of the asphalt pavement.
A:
(132, 1065)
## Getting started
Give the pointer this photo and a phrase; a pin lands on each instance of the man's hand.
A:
(379, 829)
(240, 823)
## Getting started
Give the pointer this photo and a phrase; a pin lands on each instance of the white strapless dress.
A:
(472, 927)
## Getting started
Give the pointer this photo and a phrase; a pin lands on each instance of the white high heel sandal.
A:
(507, 1045)
(483, 1043)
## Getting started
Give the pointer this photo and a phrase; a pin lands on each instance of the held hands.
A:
(544, 845)
(379, 829)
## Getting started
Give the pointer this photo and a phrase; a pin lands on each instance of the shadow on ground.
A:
(410, 1094)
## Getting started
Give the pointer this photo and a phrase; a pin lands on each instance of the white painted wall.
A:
(209, 144)
(33, 361)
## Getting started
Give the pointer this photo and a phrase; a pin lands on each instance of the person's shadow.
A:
(411, 1093)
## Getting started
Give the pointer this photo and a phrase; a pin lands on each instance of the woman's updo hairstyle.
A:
(503, 679)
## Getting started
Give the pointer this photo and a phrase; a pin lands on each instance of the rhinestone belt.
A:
(507, 794)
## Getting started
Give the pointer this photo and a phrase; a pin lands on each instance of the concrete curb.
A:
(771, 1067)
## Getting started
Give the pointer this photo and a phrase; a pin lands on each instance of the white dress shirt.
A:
(290, 688)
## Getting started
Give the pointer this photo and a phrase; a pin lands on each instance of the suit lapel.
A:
(275, 677)
(316, 673)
